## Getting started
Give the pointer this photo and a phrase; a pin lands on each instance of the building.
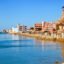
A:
(22, 28)
(46, 26)
(38, 26)
(15, 29)
(18, 28)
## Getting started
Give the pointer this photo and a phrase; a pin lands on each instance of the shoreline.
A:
(40, 37)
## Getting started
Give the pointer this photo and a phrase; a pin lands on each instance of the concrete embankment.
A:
(41, 37)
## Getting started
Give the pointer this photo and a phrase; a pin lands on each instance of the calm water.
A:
(15, 49)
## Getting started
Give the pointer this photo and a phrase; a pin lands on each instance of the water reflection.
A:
(16, 37)
(30, 50)
(52, 50)
(62, 50)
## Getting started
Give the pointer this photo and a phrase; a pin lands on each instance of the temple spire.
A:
(62, 11)
(61, 20)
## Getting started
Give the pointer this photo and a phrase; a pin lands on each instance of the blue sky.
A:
(28, 12)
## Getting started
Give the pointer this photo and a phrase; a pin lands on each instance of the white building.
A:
(19, 28)
(15, 29)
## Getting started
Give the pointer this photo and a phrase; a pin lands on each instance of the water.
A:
(16, 49)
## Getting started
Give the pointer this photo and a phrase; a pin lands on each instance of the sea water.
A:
(16, 49)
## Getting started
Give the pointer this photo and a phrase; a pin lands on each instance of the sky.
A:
(29, 12)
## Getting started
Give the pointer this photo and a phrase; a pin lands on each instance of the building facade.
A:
(38, 27)
(15, 29)
(46, 26)
(22, 28)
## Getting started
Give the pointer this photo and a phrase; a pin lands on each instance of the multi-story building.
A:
(46, 26)
(14, 30)
(22, 28)
(49, 29)
(19, 28)
(38, 26)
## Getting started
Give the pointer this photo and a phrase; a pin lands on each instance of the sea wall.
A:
(41, 37)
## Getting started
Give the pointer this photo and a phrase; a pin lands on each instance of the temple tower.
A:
(61, 20)
(63, 12)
